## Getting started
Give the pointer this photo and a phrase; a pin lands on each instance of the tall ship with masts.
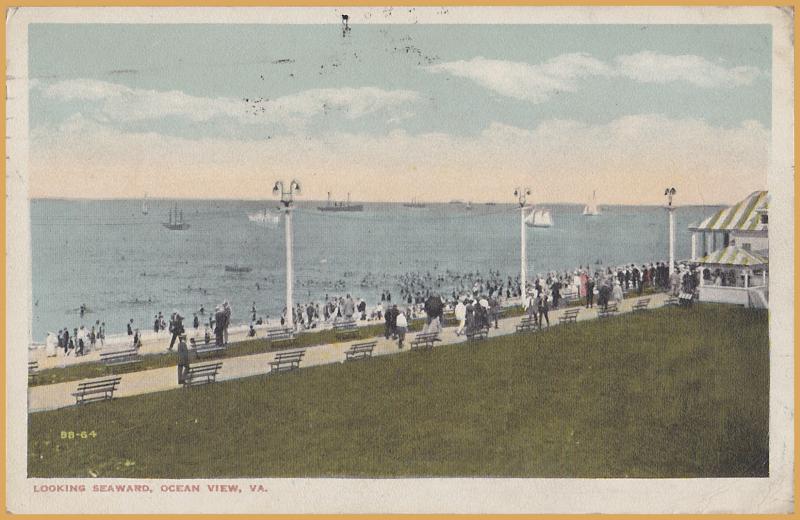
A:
(591, 210)
(176, 222)
(340, 206)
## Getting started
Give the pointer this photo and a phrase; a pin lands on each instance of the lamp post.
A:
(287, 199)
(669, 193)
(522, 195)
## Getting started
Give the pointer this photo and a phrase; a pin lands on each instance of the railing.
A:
(732, 295)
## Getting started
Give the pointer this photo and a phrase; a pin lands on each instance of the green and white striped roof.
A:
(734, 256)
(743, 216)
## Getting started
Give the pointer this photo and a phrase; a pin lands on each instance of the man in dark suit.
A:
(391, 322)
(590, 292)
(176, 327)
(219, 325)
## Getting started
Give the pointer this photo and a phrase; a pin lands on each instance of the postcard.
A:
(400, 260)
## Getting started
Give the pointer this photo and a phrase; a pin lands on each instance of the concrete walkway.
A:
(51, 397)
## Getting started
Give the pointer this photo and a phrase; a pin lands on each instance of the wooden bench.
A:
(202, 374)
(360, 351)
(206, 349)
(475, 334)
(280, 336)
(569, 316)
(641, 305)
(570, 296)
(97, 390)
(672, 300)
(345, 329)
(527, 324)
(424, 340)
(449, 318)
(610, 310)
(121, 357)
(286, 361)
(33, 370)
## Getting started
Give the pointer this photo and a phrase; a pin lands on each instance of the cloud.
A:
(651, 67)
(537, 83)
(352, 102)
(628, 160)
(114, 102)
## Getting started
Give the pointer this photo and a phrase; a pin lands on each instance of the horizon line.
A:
(363, 201)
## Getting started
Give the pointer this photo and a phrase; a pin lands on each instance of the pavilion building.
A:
(732, 249)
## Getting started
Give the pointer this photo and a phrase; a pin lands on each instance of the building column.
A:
(694, 245)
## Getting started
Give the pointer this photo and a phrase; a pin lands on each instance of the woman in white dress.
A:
(616, 292)
(50, 344)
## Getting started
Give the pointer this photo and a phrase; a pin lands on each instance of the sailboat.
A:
(590, 210)
(340, 206)
(540, 218)
(144, 205)
(175, 222)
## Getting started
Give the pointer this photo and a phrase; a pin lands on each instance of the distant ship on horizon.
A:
(414, 204)
(176, 222)
(341, 206)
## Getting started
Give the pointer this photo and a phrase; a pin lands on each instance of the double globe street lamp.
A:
(669, 193)
(522, 197)
(287, 199)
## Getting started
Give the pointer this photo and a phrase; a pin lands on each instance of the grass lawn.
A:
(671, 392)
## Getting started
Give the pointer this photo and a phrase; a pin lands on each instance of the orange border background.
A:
(372, 3)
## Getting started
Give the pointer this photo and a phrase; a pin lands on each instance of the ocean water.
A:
(122, 264)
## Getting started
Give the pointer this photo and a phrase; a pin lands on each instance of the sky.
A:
(400, 112)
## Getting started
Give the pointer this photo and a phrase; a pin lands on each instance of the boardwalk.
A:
(51, 397)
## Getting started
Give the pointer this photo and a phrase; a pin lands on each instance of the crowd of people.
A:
(474, 298)
(79, 343)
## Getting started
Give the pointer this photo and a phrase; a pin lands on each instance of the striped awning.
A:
(733, 256)
(744, 216)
